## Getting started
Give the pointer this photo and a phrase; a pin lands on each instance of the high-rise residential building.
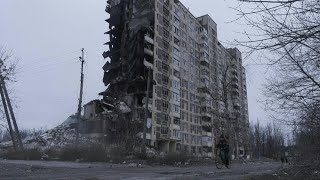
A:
(197, 86)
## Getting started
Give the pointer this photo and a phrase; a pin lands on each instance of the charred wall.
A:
(125, 74)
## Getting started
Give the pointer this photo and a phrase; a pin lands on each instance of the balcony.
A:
(234, 66)
(236, 105)
(205, 103)
(234, 72)
(164, 137)
(204, 84)
(204, 59)
(205, 133)
(175, 138)
(108, 8)
(147, 64)
(204, 74)
(206, 111)
(235, 92)
(206, 114)
(235, 84)
(148, 135)
(235, 98)
(175, 127)
(235, 113)
(207, 141)
(148, 51)
(207, 154)
(206, 119)
(149, 104)
(205, 68)
(206, 124)
(148, 39)
(204, 63)
(236, 101)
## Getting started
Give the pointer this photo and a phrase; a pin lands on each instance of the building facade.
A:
(197, 88)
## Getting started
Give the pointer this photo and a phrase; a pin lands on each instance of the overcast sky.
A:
(48, 35)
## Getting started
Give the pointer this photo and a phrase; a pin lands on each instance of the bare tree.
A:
(290, 32)
(266, 141)
(7, 73)
(226, 122)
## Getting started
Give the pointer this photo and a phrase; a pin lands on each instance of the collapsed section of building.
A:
(198, 87)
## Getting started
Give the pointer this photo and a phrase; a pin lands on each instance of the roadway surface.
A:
(71, 170)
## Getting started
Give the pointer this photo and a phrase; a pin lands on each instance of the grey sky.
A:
(47, 36)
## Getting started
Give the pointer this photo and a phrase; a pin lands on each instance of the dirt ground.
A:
(10, 169)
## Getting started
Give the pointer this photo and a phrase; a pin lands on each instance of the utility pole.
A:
(80, 96)
(13, 138)
(146, 114)
(3, 86)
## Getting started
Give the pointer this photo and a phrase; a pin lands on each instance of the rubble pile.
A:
(57, 137)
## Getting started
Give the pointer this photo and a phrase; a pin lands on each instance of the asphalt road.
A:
(91, 171)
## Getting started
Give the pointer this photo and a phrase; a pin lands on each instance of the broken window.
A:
(159, 117)
(166, 22)
(166, 2)
(165, 106)
(186, 138)
(165, 92)
(177, 31)
(182, 115)
(165, 68)
(160, 32)
(159, 91)
(159, 78)
(165, 57)
(176, 133)
(158, 104)
(176, 62)
(176, 21)
(166, 33)
(176, 41)
(176, 108)
(176, 121)
(177, 11)
(159, 65)
(193, 141)
(176, 73)
(165, 80)
(176, 52)
(164, 130)
(165, 120)
(187, 114)
(166, 45)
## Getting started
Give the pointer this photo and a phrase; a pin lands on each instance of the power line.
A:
(35, 67)
(31, 63)
(35, 74)
(48, 65)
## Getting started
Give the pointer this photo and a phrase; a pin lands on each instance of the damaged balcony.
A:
(206, 111)
(148, 48)
(206, 124)
(148, 37)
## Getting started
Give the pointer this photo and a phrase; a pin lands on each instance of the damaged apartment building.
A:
(197, 86)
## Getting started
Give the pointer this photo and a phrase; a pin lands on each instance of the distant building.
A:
(198, 87)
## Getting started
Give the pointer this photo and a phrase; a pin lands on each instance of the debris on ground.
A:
(58, 137)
